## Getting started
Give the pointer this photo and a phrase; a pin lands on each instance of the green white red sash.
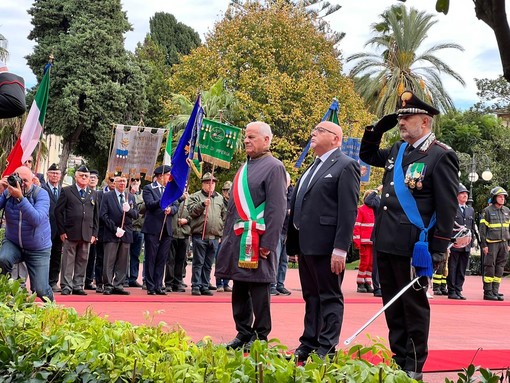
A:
(251, 223)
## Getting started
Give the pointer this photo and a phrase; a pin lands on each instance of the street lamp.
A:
(473, 164)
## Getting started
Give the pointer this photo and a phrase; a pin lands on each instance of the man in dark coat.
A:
(157, 229)
(77, 218)
(52, 186)
(459, 255)
(323, 209)
(431, 176)
(248, 254)
(12, 93)
(118, 210)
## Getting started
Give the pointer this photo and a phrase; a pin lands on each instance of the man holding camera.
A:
(27, 232)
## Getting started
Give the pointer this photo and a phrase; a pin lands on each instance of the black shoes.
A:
(238, 344)
(119, 291)
(151, 292)
(89, 286)
(207, 292)
(378, 293)
(178, 289)
(283, 291)
(301, 354)
(415, 375)
(160, 292)
(489, 296)
(79, 292)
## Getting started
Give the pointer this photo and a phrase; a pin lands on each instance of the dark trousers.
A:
(98, 266)
(156, 253)
(55, 260)
(134, 256)
(91, 264)
(203, 258)
(176, 261)
(324, 303)
(115, 264)
(220, 282)
(408, 318)
(251, 310)
(457, 265)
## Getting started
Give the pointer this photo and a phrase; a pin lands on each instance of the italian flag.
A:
(32, 130)
(167, 158)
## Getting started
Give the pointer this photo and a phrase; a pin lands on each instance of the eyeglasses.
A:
(28, 161)
(83, 175)
(135, 179)
(112, 179)
(320, 130)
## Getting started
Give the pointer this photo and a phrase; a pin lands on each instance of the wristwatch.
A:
(19, 199)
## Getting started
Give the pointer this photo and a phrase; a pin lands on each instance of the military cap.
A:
(94, 171)
(227, 185)
(409, 103)
(208, 176)
(53, 167)
(83, 169)
(163, 169)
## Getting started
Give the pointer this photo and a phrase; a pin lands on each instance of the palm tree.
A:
(381, 78)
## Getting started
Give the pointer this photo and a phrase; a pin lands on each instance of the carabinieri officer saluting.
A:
(418, 201)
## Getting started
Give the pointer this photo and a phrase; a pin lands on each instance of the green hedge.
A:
(48, 343)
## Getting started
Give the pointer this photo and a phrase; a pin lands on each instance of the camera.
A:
(14, 179)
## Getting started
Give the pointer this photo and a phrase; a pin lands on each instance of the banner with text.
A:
(135, 150)
(217, 142)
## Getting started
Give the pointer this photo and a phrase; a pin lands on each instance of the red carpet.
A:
(456, 360)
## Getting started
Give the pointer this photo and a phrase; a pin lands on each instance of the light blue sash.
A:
(422, 260)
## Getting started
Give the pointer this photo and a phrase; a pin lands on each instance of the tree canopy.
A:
(281, 68)
(95, 81)
(401, 62)
(494, 94)
(174, 38)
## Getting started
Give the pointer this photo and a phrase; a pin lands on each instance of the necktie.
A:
(463, 209)
(408, 150)
(82, 193)
(55, 192)
(121, 198)
(301, 193)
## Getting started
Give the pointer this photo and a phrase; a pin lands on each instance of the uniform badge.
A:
(414, 175)
(390, 164)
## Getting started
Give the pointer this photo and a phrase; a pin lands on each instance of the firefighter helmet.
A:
(498, 190)
(462, 189)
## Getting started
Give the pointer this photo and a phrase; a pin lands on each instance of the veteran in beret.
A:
(418, 201)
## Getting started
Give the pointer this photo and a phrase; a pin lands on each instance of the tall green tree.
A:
(175, 38)
(280, 67)
(494, 94)
(95, 81)
(157, 89)
(400, 62)
(482, 136)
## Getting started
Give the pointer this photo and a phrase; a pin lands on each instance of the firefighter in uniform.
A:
(414, 220)
(495, 240)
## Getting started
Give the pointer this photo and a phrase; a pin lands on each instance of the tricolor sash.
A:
(251, 224)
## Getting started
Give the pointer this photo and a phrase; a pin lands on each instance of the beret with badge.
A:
(83, 169)
(163, 169)
(53, 167)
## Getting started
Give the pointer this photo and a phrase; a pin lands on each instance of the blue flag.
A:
(331, 115)
(184, 153)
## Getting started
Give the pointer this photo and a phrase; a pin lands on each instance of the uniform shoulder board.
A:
(443, 145)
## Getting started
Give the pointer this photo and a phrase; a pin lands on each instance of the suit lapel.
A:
(333, 157)
(74, 190)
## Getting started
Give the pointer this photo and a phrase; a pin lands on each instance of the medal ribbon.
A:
(251, 223)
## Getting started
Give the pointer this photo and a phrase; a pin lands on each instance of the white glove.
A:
(120, 232)
(125, 207)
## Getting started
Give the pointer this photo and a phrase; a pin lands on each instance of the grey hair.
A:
(264, 129)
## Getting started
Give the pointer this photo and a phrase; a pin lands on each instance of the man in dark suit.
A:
(157, 229)
(52, 186)
(77, 224)
(424, 173)
(118, 209)
(323, 212)
(459, 252)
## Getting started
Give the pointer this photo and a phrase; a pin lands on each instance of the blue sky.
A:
(479, 60)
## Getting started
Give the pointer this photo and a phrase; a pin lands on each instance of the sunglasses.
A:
(112, 179)
(135, 179)
(29, 161)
